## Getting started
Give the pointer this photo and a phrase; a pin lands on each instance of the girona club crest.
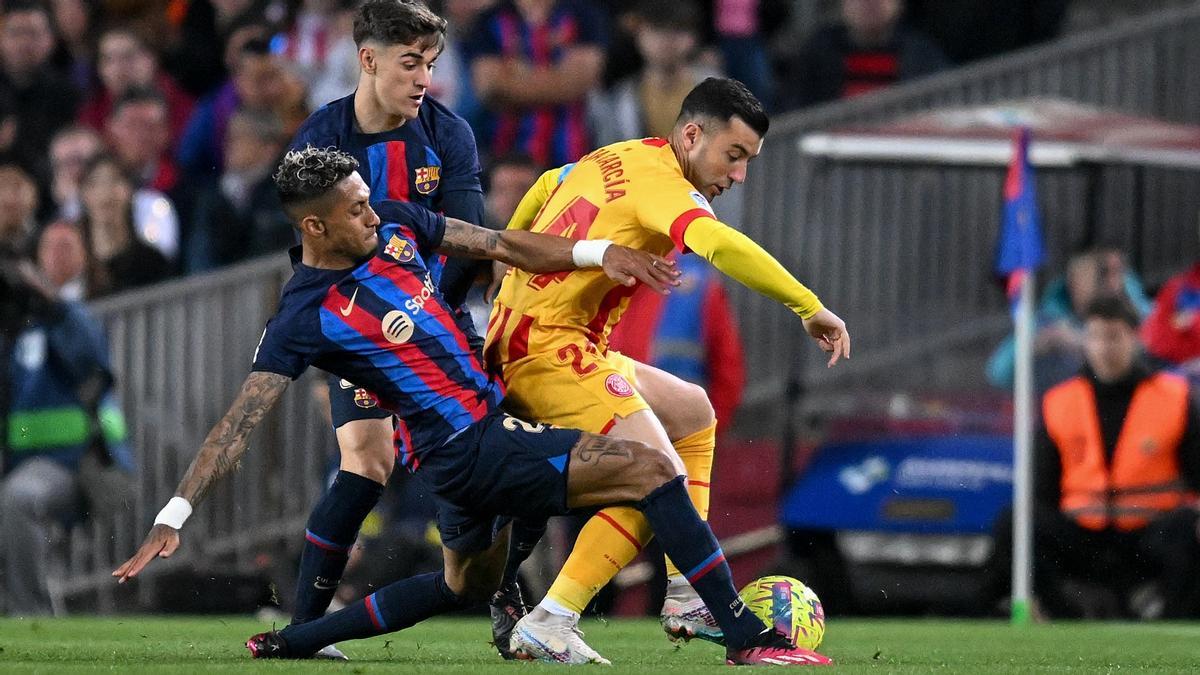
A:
(427, 178)
(618, 386)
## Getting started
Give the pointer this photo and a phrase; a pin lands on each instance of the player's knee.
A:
(369, 460)
(700, 410)
(656, 467)
(691, 411)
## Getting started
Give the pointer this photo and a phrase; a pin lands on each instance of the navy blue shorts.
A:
(348, 403)
(499, 466)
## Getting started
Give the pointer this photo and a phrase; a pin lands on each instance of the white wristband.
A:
(174, 514)
(590, 253)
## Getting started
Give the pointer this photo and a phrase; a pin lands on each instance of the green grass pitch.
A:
(187, 645)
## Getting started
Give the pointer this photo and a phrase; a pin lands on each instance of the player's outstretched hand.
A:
(161, 542)
(627, 266)
(830, 333)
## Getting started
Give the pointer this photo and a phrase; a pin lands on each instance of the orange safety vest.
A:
(1144, 479)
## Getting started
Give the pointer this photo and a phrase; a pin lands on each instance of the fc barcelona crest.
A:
(399, 249)
(364, 399)
(427, 178)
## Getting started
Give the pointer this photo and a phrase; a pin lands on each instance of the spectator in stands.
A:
(114, 231)
(70, 151)
(869, 49)
(240, 216)
(967, 30)
(533, 65)
(1172, 331)
(319, 45)
(509, 178)
(260, 82)
(126, 63)
(1058, 345)
(70, 430)
(62, 259)
(9, 124)
(691, 333)
(73, 21)
(647, 103)
(451, 86)
(198, 59)
(18, 204)
(1117, 473)
(742, 29)
(43, 98)
(139, 134)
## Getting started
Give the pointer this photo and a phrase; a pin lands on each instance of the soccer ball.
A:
(789, 606)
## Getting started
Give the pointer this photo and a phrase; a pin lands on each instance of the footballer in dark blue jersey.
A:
(362, 306)
(411, 151)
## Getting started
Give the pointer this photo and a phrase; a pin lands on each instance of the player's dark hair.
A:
(680, 15)
(309, 174)
(724, 98)
(1112, 308)
(399, 22)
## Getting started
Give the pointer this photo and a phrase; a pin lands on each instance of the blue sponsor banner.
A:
(929, 485)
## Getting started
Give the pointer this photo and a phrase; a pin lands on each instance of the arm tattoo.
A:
(465, 239)
(593, 448)
(222, 450)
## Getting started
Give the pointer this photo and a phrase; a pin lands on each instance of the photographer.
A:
(62, 439)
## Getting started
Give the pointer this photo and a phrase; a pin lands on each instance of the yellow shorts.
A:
(573, 386)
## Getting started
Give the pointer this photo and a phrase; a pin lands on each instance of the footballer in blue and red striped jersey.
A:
(430, 161)
(384, 326)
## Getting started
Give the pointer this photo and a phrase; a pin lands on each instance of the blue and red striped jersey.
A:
(385, 326)
(430, 161)
(552, 135)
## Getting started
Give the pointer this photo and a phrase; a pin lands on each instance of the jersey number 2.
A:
(572, 222)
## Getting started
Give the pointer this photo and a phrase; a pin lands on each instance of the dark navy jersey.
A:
(430, 161)
(384, 326)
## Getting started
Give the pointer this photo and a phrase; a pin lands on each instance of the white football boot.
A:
(542, 636)
(685, 616)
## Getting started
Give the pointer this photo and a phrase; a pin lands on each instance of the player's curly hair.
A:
(310, 173)
(399, 22)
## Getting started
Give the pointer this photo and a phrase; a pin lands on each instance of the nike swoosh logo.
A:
(322, 587)
(350, 307)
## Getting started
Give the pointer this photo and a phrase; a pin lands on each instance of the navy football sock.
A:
(332, 529)
(391, 608)
(690, 543)
(525, 536)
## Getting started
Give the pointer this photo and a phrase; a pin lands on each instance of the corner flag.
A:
(1019, 253)
(1019, 250)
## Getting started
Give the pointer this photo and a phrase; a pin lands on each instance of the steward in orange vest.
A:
(1117, 471)
(1118, 446)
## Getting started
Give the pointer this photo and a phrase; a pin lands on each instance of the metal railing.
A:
(903, 253)
(180, 351)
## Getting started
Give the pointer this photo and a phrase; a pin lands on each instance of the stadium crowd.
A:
(152, 127)
(137, 142)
